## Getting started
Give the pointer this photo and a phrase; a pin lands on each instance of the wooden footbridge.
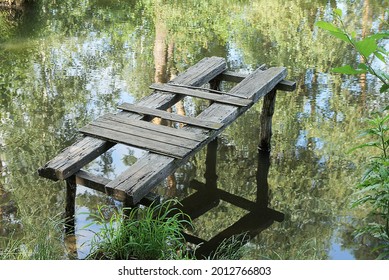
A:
(168, 148)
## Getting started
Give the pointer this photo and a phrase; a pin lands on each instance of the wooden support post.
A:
(71, 187)
(266, 120)
(262, 183)
(210, 163)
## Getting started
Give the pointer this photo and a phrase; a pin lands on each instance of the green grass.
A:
(41, 243)
(154, 233)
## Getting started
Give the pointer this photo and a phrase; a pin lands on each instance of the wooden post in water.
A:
(262, 183)
(266, 121)
(71, 187)
(210, 163)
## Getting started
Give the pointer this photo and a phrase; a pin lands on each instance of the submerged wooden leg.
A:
(262, 183)
(71, 188)
(210, 163)
(266, 120)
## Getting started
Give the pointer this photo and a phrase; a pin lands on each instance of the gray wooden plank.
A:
(170, 116)
(101, 184)
(254, 86)
(92, 181)
(159, 133)
(74, 157)
(231, 76)
(141, 173)
(225, 98)
(158, 128)
(286, 85)
(106, 132)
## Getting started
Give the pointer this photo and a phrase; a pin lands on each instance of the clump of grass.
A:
(11, 249)
(154, 232)
(38, 243)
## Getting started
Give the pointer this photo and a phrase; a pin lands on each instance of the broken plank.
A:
(170, 116)
(74, 157)
(136, 141)
(220, 98)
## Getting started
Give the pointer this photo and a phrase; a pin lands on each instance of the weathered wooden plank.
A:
(100, 183)
(286, 85)
(230, 76)
(111, 133)
(160, 133)
(170, 116)
(254, 86)
(142, 173)
(82, 152)
(92, 181)
(235, 77)
(73, 158)
(225, 98)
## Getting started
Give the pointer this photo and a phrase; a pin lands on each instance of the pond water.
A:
(64, 64)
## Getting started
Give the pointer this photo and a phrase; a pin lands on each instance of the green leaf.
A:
(382, 50)
(366, 47)
(380, 56)
(333, 30)
(347, 69)
(338, 12)
(366, 145)
(363, 66)
(384, 88)
(327, 26)
(379, 36)
(341, 35)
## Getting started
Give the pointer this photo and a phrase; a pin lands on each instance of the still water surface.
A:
(64, 64)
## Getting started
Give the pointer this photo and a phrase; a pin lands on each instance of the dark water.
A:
(64, 64)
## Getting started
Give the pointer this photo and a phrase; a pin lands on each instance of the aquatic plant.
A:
(154, 232)
(373, 189)
(368, 48)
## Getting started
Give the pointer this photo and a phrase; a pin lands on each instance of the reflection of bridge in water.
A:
(208, 196)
